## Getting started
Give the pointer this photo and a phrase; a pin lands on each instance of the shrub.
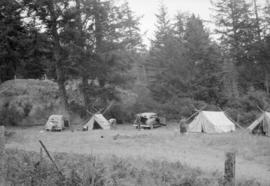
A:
(26, 168)
(10, 116)
(78, 109)
(120, 113)
(245, 109)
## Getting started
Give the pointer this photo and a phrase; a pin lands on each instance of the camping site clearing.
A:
(202, 151)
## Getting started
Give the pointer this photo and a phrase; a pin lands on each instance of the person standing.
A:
(183, 125)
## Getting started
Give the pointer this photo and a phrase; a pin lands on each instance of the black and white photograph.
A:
(134, 92)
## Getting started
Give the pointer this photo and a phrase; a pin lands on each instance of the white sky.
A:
(148, 9)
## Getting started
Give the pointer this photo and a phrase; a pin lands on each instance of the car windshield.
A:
(149, 115)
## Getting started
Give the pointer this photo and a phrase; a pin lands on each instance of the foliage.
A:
(184, 63)
(100, 41)
(247, 108)
(26, 168)
(23, 51)
(9, 116)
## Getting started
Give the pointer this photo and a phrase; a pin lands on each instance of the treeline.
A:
(184, 68)
(67, 39)
(188, 69)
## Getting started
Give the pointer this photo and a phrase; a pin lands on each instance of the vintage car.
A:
(56, 123)
(149, 120)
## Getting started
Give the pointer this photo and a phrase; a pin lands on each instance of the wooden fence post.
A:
(229, 174)
(2, 157)
(40, 155)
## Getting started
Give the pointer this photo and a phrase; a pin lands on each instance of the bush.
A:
(78, 109)
(120, 113)
(245, 109)
(172, 109)
(26, 168)
(10, 116)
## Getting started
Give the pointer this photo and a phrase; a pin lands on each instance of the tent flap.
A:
(262, 124)
(97, 121)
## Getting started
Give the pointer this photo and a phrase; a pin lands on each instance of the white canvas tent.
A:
(55, 122)
(211, 122)
(261, 125)
(97, 121)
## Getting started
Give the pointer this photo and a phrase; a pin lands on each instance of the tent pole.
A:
(108, 107)
(260, 108)
(197, 111)
(237, 124)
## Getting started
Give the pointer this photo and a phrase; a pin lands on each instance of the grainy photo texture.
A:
(134, 93)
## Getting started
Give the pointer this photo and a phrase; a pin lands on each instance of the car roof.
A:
(147, 114)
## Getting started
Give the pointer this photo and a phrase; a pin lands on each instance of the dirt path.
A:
(160, 145)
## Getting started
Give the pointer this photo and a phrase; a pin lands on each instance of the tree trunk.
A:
(257, 20)
(80, 43)
(2, 156)
(84, 91)
(231, 79)
(58, 63)
(266, 81)
(98, 27)
(235, 85)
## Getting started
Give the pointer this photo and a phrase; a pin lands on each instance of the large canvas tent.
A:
(211, 122)
(261, 125)
(97, 121)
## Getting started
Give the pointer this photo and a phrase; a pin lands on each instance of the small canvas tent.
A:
(55, 122)
(211, 122)
(261, 125)
(97, 121)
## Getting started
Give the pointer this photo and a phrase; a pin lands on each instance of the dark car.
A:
(149, 120)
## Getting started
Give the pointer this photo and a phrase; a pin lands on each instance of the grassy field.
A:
(84, 170)
(198, 151)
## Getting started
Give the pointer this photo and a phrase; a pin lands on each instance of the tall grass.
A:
(29, 168)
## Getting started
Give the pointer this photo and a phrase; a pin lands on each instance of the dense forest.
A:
(185, 68)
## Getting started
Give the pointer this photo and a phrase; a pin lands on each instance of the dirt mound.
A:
(27, 102)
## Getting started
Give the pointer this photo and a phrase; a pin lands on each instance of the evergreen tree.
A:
(163, 27)
(266, 13)
(12, 35)
(203, 61)
(179, 25)
(36, 60)
(161, 56)
(236, 28)
(132, 39)
(23, 49)
(100, 39)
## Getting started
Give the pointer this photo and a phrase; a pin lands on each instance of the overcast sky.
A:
(148, 9)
